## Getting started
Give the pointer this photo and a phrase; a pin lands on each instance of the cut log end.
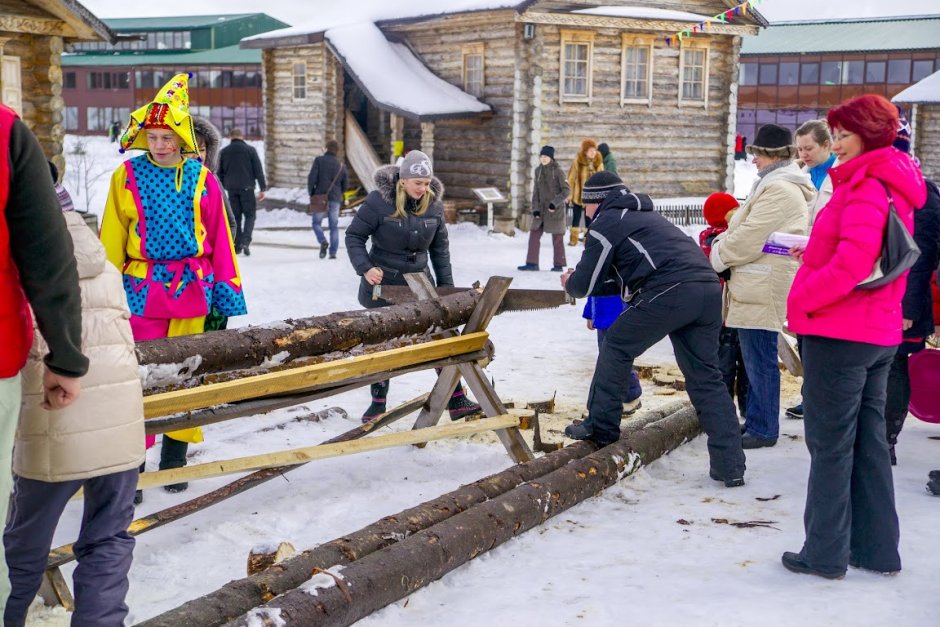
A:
(263, 557)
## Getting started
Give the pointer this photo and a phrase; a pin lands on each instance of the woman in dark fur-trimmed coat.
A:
(404, 218)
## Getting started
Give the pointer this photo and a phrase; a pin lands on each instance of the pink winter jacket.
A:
(846, 241)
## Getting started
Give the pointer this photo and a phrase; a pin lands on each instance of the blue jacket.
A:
(603, 310)
(818, 172)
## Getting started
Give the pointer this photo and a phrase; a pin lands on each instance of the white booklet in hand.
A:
(780, 243)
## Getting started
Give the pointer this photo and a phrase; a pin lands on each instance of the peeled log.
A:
(173, 359)
(383, 577)
(239, 596)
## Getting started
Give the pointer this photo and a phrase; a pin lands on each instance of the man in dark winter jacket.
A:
(672, 290)
(610, 162)
(328, 176)
(239, 168)
(37, 262)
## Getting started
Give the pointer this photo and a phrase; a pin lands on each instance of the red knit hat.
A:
(717, 207)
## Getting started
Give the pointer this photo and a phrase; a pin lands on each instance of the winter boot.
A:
(573, 237)
(173, 455)
(795, 412)
(324, 246)
(377, 408)
(558, 268)
(529, 267)
(459, 406)
(933, 486)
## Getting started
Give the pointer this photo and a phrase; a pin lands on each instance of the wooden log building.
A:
(531, 73)
(32, 38)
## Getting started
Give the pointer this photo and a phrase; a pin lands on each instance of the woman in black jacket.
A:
(405, 219)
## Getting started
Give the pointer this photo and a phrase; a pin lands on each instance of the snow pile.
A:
(394, 77)
(265, 617)
(323, 580)
(160, 375)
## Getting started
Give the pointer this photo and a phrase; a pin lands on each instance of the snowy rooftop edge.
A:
(925, 91)
(379, 10)
(644, 13)
(378, 65)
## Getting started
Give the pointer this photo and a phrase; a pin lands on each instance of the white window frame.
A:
(11, 90)
(468, 51)
(688, 47)
(576, 38)
(298, 89)
(630, 40)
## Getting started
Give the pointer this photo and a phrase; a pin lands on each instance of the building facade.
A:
(103, 82)
(528, 74)
(33, 34)
(797, 71)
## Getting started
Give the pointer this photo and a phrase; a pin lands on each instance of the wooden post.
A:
(397, 136)
(427, 139)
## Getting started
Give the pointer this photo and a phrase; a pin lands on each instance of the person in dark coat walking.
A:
(548, 210)
(917, 305)
(239, 169)
(328, 176)
(633, 251)
(404, 218)
(610, 162)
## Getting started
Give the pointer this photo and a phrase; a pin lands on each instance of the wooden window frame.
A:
(576, 37)
(472, 50)
(688, 46)
(631, 40)
(14, 94)
(294, 76)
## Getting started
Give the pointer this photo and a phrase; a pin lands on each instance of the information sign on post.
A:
(489, 195)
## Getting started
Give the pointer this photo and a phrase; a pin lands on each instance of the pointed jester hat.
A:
(168, 110)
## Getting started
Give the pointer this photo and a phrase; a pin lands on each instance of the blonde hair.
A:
(401, 201)
(819, 129)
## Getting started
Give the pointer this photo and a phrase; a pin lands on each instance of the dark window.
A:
(144, 79)
(789, 73)
(226, 78)
(71, 118)
(68, 81)
(253, 79)
(768, 74)
(922, 69)
(238, 78)
(107, 80)
(809, 73)
(830, 73)
(853, 72)
(899, 71)
(122, 80)
(875, 72)
(748, 74)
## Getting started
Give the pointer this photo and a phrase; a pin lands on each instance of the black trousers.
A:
(244, 206)
(576, 212)
(850, 498)
(690, 314)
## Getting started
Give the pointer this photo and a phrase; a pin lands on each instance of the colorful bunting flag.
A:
(722, 18)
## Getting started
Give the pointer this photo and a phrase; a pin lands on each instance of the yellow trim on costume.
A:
(201, 230)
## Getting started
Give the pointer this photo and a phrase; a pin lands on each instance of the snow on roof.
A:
(341, 14)
(644, 13)
(395, 79)
(921, 92)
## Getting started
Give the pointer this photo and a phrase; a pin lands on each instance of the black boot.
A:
(173, 455)
(459, 406)
(377, 408)
(324, 246)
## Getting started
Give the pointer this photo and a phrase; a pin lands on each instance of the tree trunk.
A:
(171, 360)
(385, 576)
(239, 596)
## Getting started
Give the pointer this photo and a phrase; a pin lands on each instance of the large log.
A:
(239, 596)
(351, 592)
(170, 360)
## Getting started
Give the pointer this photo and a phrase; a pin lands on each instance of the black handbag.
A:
(899, 252)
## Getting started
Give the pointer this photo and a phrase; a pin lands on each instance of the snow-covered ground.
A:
(620, 557)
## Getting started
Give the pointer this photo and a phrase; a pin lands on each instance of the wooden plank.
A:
(295, 379)
(303, 455)
(55, 591)
(486, 396)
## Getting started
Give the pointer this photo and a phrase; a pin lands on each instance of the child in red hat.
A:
(717, 211)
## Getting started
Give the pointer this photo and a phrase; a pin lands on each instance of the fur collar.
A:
(213, 140)
(386, 177)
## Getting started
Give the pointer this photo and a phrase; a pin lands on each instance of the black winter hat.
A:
(599, 185)
(604, 149)
(548, 151)
(773, 140)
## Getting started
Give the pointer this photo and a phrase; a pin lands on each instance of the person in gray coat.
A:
(548, 210)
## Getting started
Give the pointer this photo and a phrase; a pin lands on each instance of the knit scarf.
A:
(776, 165)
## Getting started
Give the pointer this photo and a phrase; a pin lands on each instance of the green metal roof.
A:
(230, 55)
(855, 35)
(144, 24)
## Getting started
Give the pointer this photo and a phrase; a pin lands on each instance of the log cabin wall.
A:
(471, 152)
(296, 129)
(927, 139)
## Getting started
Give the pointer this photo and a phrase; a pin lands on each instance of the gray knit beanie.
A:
(415, 165)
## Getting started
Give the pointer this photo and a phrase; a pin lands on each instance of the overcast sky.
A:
(297, 11)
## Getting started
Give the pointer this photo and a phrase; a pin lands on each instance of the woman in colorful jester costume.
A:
(165, 229)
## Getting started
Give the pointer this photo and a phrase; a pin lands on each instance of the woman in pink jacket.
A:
(849, 339)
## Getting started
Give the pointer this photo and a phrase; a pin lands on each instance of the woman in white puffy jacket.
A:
(96, 444)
